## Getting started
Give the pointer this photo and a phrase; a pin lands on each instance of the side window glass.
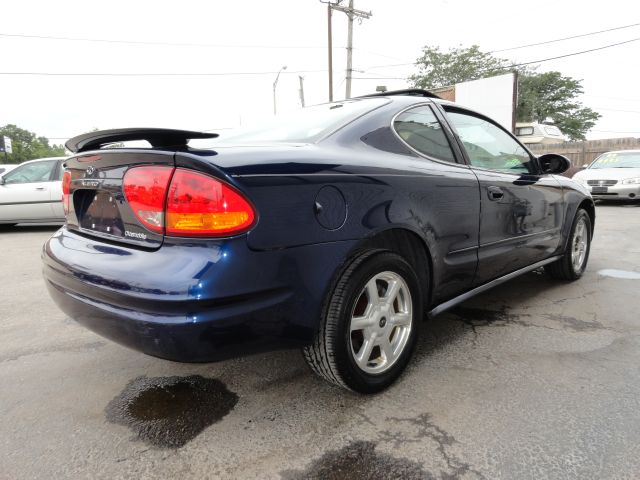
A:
(488, 146)
(31, 173)
(420, 128)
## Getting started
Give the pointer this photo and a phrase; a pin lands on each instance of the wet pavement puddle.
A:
(359, 461)
(168, 412)
(624, 274)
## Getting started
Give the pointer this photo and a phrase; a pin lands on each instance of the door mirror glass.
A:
(554, 163)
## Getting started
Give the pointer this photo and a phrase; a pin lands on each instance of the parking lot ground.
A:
(534, 379)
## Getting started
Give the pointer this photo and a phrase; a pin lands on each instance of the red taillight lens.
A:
(66, 191)
(192, 205)
(146, 189)
(202, 206)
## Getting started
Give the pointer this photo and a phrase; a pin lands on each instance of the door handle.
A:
(495, 193)
(40, 188)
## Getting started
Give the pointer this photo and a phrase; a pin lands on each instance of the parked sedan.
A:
(613, 176)
(6, 168)
(32, 192)
(335, 229)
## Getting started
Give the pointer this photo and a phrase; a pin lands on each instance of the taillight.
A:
(200, 205)
(146, 189)
(66, 191)
(185, 203)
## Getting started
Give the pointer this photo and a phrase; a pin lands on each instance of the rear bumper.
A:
(192, 302)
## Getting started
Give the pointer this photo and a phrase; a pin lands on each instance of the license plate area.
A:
(599, 189)
(98, 212)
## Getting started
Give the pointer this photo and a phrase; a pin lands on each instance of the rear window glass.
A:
(420, 128)
(306, 125)
(524, 131)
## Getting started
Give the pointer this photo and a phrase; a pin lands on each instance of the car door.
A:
(55, 190)
(25, 192)
(448, 198)
(521, 209)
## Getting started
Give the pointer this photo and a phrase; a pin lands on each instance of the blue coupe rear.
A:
(336, 230)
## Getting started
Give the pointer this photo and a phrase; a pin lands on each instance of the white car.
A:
(613, 176)
(5, 168)
(32, 192)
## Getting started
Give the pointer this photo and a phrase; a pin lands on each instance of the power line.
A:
(565, 38)
(524, 63)
(163, 44)
(615, 110)
(614, 131)
(575, 53)
(155, 74)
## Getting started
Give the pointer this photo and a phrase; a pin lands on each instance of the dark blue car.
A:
(337, 229)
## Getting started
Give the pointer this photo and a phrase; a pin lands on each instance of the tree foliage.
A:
(540, 95)
(27, 146)
(550, 95)
(440, 69)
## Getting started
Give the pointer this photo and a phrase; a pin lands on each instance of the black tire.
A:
(331, 355)
(564, 268)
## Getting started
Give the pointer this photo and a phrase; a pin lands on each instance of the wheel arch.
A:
(588, 205)
(410, 246)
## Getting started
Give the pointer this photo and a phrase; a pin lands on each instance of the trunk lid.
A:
(97, 203)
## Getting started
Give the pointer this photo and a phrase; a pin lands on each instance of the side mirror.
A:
(554, 163)
(1, 180)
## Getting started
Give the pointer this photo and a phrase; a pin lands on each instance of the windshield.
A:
(306, 125)
(617, 160)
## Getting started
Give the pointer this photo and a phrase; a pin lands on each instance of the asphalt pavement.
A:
(534, 379)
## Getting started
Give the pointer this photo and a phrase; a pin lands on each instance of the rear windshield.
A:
(617, 160)
(306, 125)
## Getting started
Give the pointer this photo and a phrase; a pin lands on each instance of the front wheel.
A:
(574, 260)
(370, 324)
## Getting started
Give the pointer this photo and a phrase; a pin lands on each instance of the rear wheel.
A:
(574, 260)
(370, 324)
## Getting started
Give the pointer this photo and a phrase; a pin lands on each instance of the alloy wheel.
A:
(579, 245)
(381, 322)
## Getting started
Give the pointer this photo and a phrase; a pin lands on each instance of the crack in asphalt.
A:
(359, 461)
(67, 348)
(480, 317)
(426, 428)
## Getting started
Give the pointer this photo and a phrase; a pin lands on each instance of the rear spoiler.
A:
(414, 92)
(157, 137)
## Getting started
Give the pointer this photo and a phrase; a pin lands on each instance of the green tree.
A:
(550, 95)
(27, 146)
(441, 69)
(540, 95)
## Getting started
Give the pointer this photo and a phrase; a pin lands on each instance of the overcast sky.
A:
(216, 37)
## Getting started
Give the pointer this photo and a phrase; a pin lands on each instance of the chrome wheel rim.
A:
(579, 245)
(381, 322)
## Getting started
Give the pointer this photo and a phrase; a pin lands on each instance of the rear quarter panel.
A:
(384, 185)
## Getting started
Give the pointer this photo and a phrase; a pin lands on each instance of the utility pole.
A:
(275, 84)
(301, 78)
(330, 43)
(351, 14)
(347, 82)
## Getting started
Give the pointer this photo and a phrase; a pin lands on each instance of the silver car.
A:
(613, 176)
(32, 192)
